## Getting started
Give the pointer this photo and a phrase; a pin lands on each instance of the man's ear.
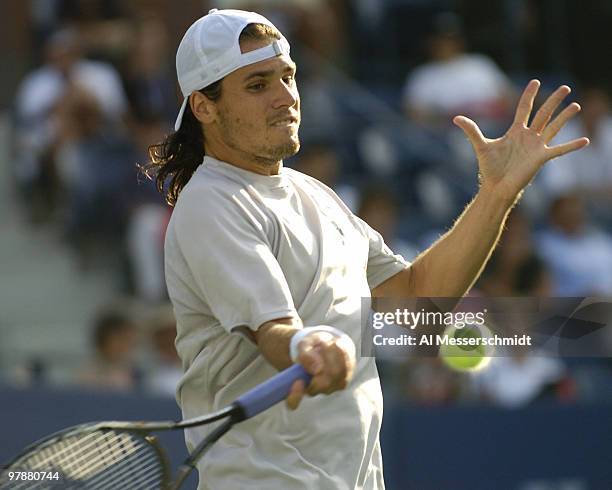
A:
(204, 109)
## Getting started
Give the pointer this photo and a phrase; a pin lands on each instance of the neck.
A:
(258, 165)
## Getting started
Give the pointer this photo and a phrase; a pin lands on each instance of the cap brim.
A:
(179, 118)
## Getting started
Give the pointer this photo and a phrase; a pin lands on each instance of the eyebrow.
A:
(268, 73)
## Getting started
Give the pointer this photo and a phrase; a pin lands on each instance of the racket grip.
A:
(272, 391)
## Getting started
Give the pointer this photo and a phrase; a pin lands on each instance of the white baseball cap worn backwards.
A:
(210, 50)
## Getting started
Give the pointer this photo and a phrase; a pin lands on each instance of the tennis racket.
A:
(124, 455)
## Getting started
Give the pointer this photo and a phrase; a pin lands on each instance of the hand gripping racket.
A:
(124, 455)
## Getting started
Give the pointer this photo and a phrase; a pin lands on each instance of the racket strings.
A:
(75, 451)
(126, 475)
(96, 460)
(70, 455)
(147, 477)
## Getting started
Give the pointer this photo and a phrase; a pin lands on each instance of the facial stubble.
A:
(264, 155)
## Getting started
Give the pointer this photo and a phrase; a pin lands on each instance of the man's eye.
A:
(289, 79)
(256, 86)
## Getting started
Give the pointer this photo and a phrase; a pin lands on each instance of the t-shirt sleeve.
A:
(382, 262)
(226, 250)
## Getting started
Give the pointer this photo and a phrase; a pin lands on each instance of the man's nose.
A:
(286, 95)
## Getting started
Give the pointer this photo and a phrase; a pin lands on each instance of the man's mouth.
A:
(286, 121)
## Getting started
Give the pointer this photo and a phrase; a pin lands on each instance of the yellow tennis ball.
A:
(462, 348)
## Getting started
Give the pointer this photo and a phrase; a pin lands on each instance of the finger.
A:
(320, 384)
(344, 371)
(523, 110)
(339, 363)
(295, 394)
(558, 122)
(312, 360)
(557, 151)
(471, 130)
(327, 381)
(549, 107)
(335, 361)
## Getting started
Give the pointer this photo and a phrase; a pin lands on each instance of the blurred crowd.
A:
(131, 349)
(380, 81)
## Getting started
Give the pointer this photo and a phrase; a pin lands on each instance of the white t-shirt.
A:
(42, 88)
(243, 249)
(470, 83)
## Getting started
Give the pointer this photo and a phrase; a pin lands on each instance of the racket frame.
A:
(246, 406)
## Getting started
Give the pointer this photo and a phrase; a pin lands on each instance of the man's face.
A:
(259, 109)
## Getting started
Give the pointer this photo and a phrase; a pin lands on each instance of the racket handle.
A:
(272, 391)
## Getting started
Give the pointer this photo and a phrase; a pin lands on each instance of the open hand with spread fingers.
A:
(508, 164)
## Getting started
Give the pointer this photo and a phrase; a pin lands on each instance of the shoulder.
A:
(217, 202)
(39, 75)
(42, 80)
(38, 90)
(205, 193)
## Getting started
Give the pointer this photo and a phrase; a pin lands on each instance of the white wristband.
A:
(345, 341)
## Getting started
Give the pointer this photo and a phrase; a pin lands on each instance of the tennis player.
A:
(266, 266)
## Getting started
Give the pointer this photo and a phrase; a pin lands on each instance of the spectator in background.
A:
(98, 164)
(590, 173)
(456, 82)
(147, 221)
(102, 25)
(113, 365)
(40, 97)
(166, 370)
(66, 66)
(149, 83)
(518, 378)
(451, 82)
(578, 254)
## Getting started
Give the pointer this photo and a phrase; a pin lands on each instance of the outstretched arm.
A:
(506, 166)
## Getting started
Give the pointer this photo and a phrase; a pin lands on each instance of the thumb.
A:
(295, 394)
(471, 130)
